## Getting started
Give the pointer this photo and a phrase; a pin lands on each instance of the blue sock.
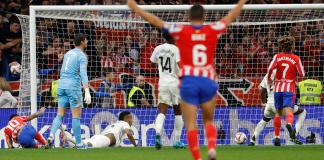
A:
(76, 130)
(56, 124)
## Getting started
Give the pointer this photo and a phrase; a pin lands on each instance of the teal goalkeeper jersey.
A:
(74, 70)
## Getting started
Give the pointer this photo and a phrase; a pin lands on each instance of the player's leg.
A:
(190, 100)
(277, 126)
(288, 99)
(189, 112)
(75, 99)
(207, 98)
(208, 109)
(269, 112)
(301, 115)
(178, 121)
(164, 99)
(178, 126)
(97, 141)
(63, 102)
(40, 138)
(277, 119)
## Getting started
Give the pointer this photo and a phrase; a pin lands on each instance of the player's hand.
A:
(87, 96)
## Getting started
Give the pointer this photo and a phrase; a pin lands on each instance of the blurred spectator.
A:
(137, 96)
(51, 53)
(6, 99)
(10, 44)
(89, 29)
(108, 88)
(70, 31)
(147, 45)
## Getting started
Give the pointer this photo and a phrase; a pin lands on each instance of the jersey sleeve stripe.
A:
(300, 68)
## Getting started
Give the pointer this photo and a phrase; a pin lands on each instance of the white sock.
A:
(300, 121)
(259, 128)
(159, 121)
(178, 125)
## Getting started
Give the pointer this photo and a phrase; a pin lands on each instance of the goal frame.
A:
(32, 27)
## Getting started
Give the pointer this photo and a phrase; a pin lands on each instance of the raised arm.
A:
(234, 13)
(130, 136)
(37, 114)
(149, 17)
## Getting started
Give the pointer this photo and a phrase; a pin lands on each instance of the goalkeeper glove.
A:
(87, 96)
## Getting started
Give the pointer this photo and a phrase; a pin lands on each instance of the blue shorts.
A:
(27, 136)
(69, 98)
(284, 99)
(197, 90)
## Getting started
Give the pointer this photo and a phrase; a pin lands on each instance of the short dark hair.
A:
(13, 116)
(168, 37)
(196, 12)
(123, 114)
(14, 19)
(79, 38)
(286, 43)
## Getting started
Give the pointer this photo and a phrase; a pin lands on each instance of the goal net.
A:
(119, 48)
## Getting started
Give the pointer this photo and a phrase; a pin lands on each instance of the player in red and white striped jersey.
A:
(287, 65)
(197, 43)
(19, 131)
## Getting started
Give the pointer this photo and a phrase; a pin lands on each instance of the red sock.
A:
(211, 135)
(39, 137)
(36, 146)
(289, 118)
(277, 126)
(193, 144)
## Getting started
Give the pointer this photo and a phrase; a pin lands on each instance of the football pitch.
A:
(304, 152)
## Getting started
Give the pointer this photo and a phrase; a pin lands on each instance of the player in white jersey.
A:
(112, 135)
(269, 111)
(167, 57)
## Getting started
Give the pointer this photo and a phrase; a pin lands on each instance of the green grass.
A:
(304, 152)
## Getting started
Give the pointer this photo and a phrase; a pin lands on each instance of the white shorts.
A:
(98, 141)
(271, 111)
(169, 95)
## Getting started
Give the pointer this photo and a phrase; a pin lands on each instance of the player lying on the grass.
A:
(167, 57)
(197, 43)
(269, 112)
(112, 135)
(287, 65)
(20, 131)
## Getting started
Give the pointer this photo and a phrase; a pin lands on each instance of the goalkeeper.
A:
(73, 72)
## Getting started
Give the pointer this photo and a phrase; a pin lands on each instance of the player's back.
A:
(14, 126)
(116, 128)
(167, 57)
(70, 71)
(197, 46)
(288, 65)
